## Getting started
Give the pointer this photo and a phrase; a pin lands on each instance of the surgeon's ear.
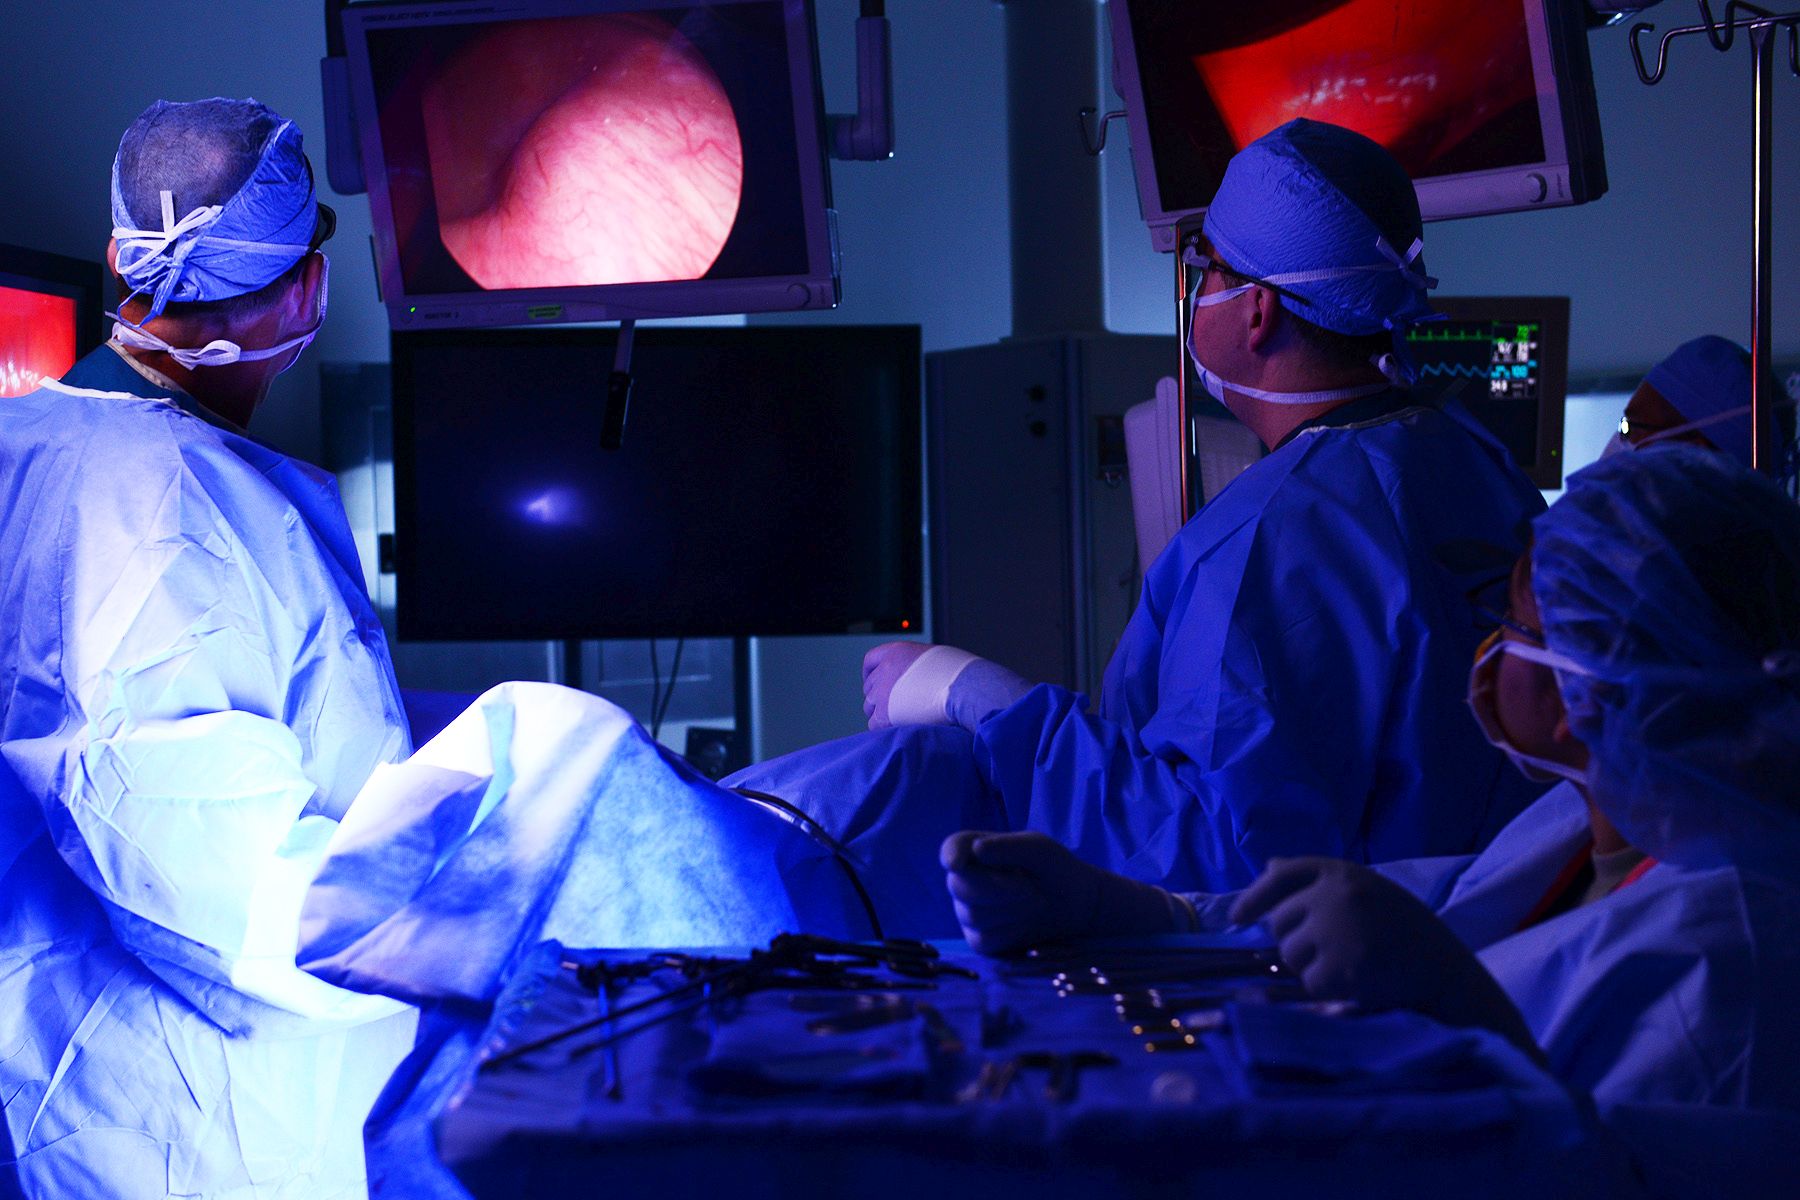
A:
(1265, 316)
(305, 295)
(112, 255)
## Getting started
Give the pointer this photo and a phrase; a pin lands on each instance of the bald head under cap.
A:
(211, 199)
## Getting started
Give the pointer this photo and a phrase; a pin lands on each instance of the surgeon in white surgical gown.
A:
(198, 716)
(1638, 927)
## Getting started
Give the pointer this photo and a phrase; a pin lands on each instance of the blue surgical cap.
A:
(1708, 376)
(1331, 218)
(1673, 576)
(227, 246)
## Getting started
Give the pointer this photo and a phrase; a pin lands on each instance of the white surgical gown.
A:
(194, 687)
(197, 717)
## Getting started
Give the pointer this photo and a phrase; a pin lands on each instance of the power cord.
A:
(794, 816)
(660, 696)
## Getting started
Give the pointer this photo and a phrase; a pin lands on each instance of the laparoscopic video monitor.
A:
(592, 160)
(49, 316)
(1488, 105)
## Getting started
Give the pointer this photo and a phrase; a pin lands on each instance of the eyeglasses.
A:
(1489, 618)
(324, 225)
(1200, 264)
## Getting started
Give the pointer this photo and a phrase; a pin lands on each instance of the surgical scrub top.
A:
(193, 687)
(1675, 988)
(1293, 680)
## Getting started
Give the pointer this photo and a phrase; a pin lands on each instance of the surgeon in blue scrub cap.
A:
(1288, 683)
(1701, 394)
(221, 287)
(206, 776)
(1636, 927)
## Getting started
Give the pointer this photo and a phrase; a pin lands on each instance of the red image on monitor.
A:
(582, 150)
(37, 338)
(1421, 79)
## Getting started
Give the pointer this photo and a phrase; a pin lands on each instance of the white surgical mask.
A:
(1482, 681)
(1215, 385)
(221, 352)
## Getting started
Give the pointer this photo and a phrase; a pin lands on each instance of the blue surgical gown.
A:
(1676, 988)
(205, 785)
(1293, 681)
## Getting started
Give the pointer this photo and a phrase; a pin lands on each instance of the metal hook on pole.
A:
(1093, 142)
(1763, 28)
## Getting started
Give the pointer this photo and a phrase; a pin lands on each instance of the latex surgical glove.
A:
(1014, 890)
(909, 683)
(1352, 934)
(882, 668)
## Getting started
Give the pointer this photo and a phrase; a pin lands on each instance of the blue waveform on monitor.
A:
(1458, 370)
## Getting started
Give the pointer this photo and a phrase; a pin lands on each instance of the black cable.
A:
(819, 834)
(655, 692)
(874, 8)
(668, 693)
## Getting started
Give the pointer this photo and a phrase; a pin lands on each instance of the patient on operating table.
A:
(1635, 928)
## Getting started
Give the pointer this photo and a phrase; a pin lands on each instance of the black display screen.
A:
(769, 483)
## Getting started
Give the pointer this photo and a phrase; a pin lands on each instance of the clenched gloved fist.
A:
(910, 683)
(1014, 890)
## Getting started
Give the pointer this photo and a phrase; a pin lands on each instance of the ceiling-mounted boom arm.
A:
(868, 134)
(343, 158)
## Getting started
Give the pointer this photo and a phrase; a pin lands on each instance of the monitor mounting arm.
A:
(868, 134)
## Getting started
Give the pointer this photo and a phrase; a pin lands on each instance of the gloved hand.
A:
(882, 668)
(910, 683)
(1352, 934)
(1014, 890)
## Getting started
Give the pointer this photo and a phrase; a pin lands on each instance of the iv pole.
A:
(1762, 27)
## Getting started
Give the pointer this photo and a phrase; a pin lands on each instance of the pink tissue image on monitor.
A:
(1420, 79)
(37, 339)
(575, 151)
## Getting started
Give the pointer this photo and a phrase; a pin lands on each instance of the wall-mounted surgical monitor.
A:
(1506, 358)
(1488, 105)
(592, 160)
(769, 483)
(49, 315)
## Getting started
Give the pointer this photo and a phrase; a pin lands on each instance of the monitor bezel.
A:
(818, 287)
(410, 628)
(1571, 172)
(58, 274)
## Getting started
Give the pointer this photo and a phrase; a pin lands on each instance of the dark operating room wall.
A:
(926, 236)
